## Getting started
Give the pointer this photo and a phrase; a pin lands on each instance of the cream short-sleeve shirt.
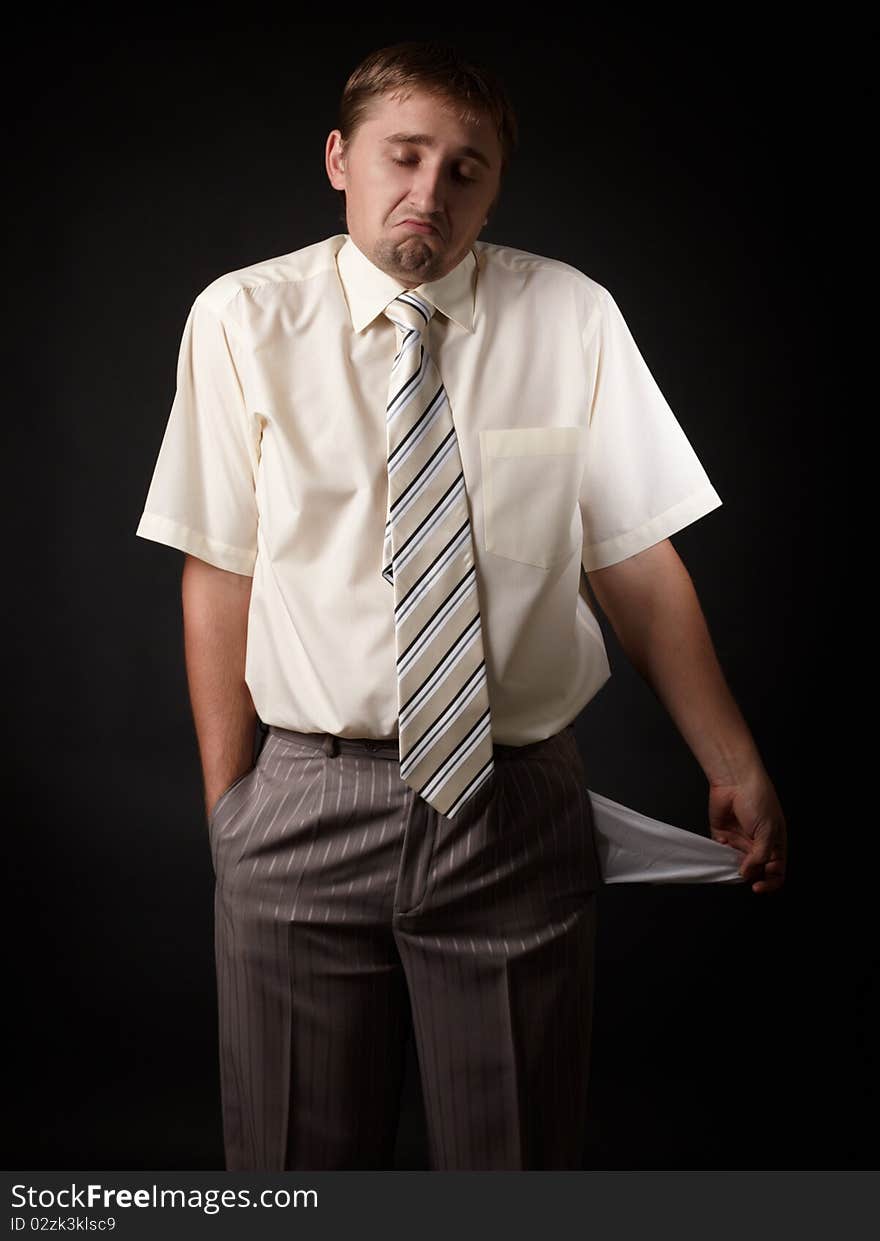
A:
(273, 465)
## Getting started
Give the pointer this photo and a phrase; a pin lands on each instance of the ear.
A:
(333, 158)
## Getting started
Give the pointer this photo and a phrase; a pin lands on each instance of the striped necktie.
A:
(444, 725)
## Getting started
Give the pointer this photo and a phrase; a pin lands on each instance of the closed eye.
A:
(460, 175)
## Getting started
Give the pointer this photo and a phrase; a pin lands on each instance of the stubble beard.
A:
(409, 257)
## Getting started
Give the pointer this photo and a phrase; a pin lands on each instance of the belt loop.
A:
(330, 745)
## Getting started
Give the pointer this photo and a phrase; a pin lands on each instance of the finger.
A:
(766, 878)
(768, 885)
(760, 853)
(753, 865)
(734, 839)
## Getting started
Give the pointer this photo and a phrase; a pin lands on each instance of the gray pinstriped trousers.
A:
(348, 911)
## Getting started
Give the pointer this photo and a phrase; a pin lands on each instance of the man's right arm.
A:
(215, 612)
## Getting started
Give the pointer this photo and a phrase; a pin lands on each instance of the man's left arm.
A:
(650, 602)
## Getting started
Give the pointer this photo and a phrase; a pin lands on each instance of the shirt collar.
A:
(368, 289)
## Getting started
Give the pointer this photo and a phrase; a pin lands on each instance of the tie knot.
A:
(409, 312)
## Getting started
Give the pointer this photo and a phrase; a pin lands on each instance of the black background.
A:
(688, 171)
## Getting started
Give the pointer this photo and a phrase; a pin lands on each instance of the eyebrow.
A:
(426, 140)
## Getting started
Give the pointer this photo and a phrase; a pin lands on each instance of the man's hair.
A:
(472, 89)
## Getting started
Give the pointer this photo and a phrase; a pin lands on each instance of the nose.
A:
(426, 193)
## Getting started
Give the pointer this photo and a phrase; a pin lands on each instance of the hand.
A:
(747, 815)
(213, 795)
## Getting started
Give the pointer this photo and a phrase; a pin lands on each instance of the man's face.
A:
(446, 175)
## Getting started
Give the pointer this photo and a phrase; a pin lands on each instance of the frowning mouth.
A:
(419, 226)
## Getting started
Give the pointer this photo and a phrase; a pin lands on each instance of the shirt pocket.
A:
(531, 485)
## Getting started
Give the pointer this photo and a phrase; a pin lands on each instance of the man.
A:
(390, 456)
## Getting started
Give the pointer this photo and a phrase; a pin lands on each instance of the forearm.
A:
(215, 609)
(656, 615)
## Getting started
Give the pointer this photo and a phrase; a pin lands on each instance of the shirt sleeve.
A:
(202, 496)
(642, 479)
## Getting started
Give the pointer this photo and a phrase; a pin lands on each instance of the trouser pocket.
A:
(224, 796)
